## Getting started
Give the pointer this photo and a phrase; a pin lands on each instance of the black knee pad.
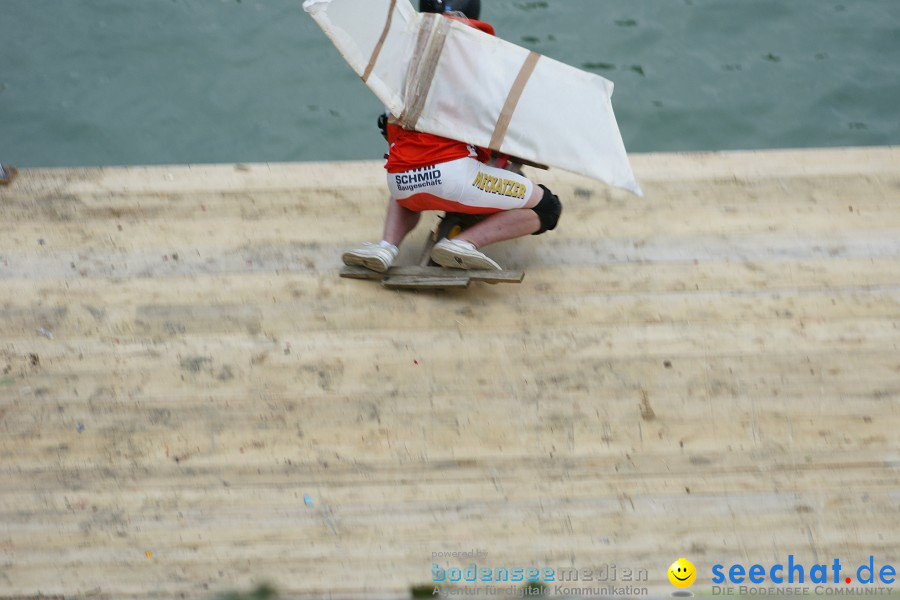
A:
(548, 211)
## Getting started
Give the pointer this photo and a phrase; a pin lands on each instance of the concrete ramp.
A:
(192, 400)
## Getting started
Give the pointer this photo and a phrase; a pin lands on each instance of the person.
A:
(429, 172)
(7, 174)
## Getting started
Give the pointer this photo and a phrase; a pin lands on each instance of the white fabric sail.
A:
(438, 75)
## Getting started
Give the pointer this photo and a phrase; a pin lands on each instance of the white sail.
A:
(440, 76)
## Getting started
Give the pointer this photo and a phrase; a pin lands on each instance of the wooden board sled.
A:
(428, 276)
(431, 278)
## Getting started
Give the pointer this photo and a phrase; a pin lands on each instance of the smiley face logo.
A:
(682, 573)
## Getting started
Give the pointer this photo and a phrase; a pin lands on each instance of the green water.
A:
(113, 82)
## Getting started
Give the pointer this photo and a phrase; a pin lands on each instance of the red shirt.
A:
(413, 150)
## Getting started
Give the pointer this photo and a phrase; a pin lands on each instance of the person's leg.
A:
(506, 225)
(399, 222)
(463, 252)
(379, 257)
(517, 208)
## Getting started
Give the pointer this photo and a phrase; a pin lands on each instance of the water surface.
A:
(117, 82)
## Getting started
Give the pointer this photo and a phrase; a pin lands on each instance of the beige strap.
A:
(377, 50)
(429, 46)
(515, 93)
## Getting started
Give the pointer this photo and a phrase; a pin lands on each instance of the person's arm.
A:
(382, 124)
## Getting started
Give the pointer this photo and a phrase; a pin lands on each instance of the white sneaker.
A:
(461, 255)
(372, 256)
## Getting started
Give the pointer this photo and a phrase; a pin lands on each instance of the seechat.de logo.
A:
(798, 572)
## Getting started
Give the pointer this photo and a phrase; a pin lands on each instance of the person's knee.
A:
(548, 211)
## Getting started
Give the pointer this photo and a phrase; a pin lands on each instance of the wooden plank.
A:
(423, 277)
(437, 282)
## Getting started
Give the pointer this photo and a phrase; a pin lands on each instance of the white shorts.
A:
(464, 185)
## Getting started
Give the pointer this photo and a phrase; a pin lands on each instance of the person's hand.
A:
(382, 124)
